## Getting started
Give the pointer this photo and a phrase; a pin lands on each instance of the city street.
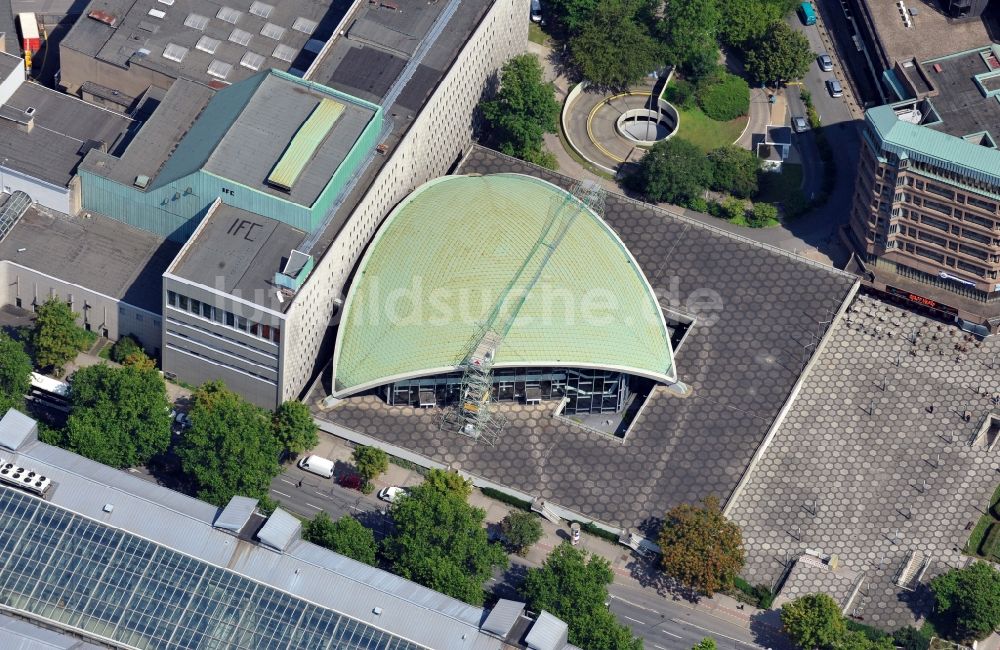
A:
(306, 494)
(665, 623)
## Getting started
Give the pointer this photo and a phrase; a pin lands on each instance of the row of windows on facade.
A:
(219, 351)
(962, 179)
(222, 364)
(223, 317)
(946, 210)
(944, 226)
(941, 258)
(951, 195)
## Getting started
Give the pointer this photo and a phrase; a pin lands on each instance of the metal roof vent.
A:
(219, 69)
(229, 15)
(272, 31)
(24, 478)
(304, 25)
(261, 9)
(141, 181)
(377, 611)
(110, 20)
(108, 508)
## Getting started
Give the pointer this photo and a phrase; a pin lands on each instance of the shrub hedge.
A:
(506, 498)
(724, 97)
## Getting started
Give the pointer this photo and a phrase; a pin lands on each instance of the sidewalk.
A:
(631, 572)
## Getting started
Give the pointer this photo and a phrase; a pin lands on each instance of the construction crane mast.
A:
(475, 415)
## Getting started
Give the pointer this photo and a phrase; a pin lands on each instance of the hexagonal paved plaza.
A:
(760, 313)
(878, 460)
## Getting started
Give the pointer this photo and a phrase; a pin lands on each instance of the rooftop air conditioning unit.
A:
(24, 478)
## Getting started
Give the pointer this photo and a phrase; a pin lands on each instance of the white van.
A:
(317, 465)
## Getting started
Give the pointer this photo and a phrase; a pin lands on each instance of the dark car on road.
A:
(799, 124)
(836, 90)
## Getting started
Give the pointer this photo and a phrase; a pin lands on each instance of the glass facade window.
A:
(940, 191)
(80, 574)
(937, 223)
(937, 206)
(982, 205)
(229, 319)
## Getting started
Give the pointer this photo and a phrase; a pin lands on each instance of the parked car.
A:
(834, 87)
(392, 493)
(799, 124)
(317, 465)
(536, 11)
(825, 62)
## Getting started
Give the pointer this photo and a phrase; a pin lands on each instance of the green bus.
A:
(807, 13)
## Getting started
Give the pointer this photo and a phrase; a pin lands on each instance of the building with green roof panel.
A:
(272, 144)
(926, 210)
(509, 254)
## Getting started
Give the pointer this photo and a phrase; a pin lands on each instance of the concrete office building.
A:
(427, 87)
(311, 167)
(117, 560)
(924, 219)
(121, 50)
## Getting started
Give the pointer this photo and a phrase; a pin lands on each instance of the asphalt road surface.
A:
(307, 494)
(662, 623)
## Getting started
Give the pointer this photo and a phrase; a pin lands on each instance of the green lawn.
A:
(536, 35)
(777, 187)
(976, 538)
(706, 133)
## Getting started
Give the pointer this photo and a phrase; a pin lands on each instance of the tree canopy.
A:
(969, 598)
(521, 529)
(744, 21)
(119, 416)
(125, 347)
(440, 542)
(15, 374)
(370, 462)
(56, 337)
(574, 587)
(570, 16)
(780, 55)
(708, 643)
(674, 171)
(523, 111)
(294, 427)
(346, 536)
(230, 448)
(614, 49)
(689, 29)
(700, 547)
(734, 170)
(814, 621)
(448, 481)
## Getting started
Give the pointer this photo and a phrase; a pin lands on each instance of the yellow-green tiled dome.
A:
(509, 253)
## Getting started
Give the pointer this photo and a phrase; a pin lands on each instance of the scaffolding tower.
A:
(475, 415)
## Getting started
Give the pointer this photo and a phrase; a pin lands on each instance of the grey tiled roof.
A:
(865, 469)
(740, 363)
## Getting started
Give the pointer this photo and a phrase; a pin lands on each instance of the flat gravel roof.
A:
(96, 252)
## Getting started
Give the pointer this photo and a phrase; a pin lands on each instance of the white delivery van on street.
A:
(317, 465)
